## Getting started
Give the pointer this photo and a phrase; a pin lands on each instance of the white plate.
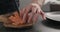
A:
(53, 15)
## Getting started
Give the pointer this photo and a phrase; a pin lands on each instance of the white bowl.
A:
(53, 16)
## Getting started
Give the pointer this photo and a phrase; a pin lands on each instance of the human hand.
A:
(34, 9)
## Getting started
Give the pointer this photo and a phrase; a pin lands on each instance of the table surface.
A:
(37, 27)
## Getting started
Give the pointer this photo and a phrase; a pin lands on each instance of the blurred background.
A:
(49, 5)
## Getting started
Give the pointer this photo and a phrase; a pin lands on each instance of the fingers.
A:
(39, 11)
(25, 14)
(32, 14)
(25, 18)
(35, 18)
(34, 9)
(30, 18)
(43, 15)
(22, 12)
